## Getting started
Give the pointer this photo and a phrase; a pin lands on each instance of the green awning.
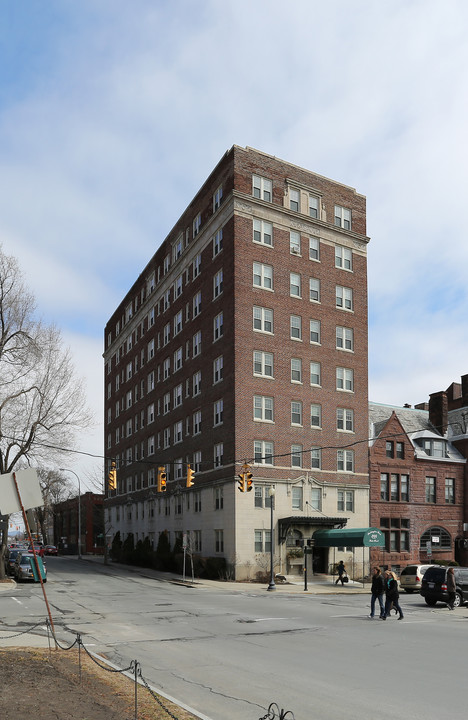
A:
(349, 537)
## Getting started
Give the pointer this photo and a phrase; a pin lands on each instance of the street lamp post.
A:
(79, 509)
(272, 585)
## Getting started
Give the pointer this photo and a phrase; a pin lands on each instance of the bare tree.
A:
(55, 488)
(42, 402)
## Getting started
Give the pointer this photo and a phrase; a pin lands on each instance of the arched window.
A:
(292, 538)
(439, 539)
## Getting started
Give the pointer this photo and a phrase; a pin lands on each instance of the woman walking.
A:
(391, 595)
(451, 588)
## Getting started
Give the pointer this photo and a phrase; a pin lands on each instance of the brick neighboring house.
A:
(417, 489)
(245, 338)
(65, 518)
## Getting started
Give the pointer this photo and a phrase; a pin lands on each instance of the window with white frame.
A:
(178, 322)
(196, 422)
(218, 369)
(345, 501)
(262, 188)
(196, 225)
(295, 284)
(296, 413)
(316, 499)
(344, 298)
(262, 541)
(166, 368)
(263, 232)
(217, 242)
(218, 284)
(178, 286)
(196, 383)
(344, 338)
(342, 217)
(262, 319)
(150, 284)
(178, 432)
(130, 366)
(196, 344)
(167, 437)
(294, 199)
(314, 248)
(178, 247)
(151, 445)
(262, 364)
(296, 497)
(129, 427)
(177, 359)
(263, 276)
(345, 419)
(263, 452)
(218, 498)
(150, 413)
(316, 458)
(219, 541)
(196, 305)
(166, 403)
(218, 327)
(218, 453)
(178, 395)
(150, 381)
(296, 370)
(314, 289)
(314, 206)
(345, 460)
(295, 327)
(258, 494)
(167, 300)
(129, 399)
(316, 415)
(196, 267)
(343, 257)
(218, 408)
(296, 456)
(263, 408)
(315, 373)
(315, 332)
(151, 318)
(449, 491)
(166, 264)
(217, 197)
(197, 460)
(344, 379)
(294, 242)
(167, 333)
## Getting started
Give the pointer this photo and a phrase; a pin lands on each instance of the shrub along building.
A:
(245, 340)
(416, 487)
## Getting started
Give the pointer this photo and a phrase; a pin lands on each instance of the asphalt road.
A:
(230, 652)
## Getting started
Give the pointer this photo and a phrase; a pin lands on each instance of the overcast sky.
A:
(113, 113)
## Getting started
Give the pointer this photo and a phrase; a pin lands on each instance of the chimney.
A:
(438, 411)
(464, 389)
(422, 406)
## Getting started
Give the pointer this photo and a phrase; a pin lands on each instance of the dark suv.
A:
(434, 585)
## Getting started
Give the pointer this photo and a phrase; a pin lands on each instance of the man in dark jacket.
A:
(377, 592)
(391, 594)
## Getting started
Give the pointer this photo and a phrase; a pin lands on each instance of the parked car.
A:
(25, 568)
(12, 555)
(434, 585)
(50, 550)
(411, 577)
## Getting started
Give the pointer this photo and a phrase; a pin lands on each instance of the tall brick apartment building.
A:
(245, 339)
(417, 485)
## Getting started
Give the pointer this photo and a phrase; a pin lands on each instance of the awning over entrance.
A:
(349, 537)
(304, 521)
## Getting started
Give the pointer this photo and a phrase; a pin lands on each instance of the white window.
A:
(166, 368)
(150, 381)
(344, 379)
(177, 395)
(196, 423)
(196, 225)
(196, 383)
(296, 456)
(262, 188)
(296, 370)
(263, 232)
(217, 242)
(314, 248)
(263, 408)
(343, 257)
(314, 289)
(178, 286)
(294, 200)
(218, 454)
(129, 399)
(315, 373)
(263, 452)
(177, 359)
(128, 312)
(218, 412)
(219, 540)
(295, 284)
(130, 368)
(166, 264)
(178, 322)
(263, 363)
(294, 243)
(342, 217)
(218, 498)
(167, 437)
(197, 266)
(218, 369)
(196, 344)
(217, 197)
(345, 460)
(218, 284)
(196, 304)
(167, 333)
(263, 276)
(151, 445)
(295, 327)
(262, 319)
(218, 328)
(150, 284)
(166, 403)
(345, 419)
(316, 458)
(296, 413)
(344, 338)
(177, 248)
(344, 297)
(316, 416)
(178, 432)
(129, 428)
(296, 498)
(315, 331)
(166, 300)
(197, 460)
(150, 413)
(314, 206)
(151, 318)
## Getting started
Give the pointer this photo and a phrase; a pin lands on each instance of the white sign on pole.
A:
(29, 490)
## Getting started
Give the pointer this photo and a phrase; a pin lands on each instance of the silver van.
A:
(411, 577)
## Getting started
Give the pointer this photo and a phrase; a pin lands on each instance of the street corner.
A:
(7, 584)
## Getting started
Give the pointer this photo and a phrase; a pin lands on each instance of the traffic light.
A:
(112, 476)
(241, 482)
(162, 477)
(249, 476)
(190, 476)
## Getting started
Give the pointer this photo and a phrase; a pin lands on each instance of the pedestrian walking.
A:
(391, 595)
(451, 588)
(341, 573)
(377, 591)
